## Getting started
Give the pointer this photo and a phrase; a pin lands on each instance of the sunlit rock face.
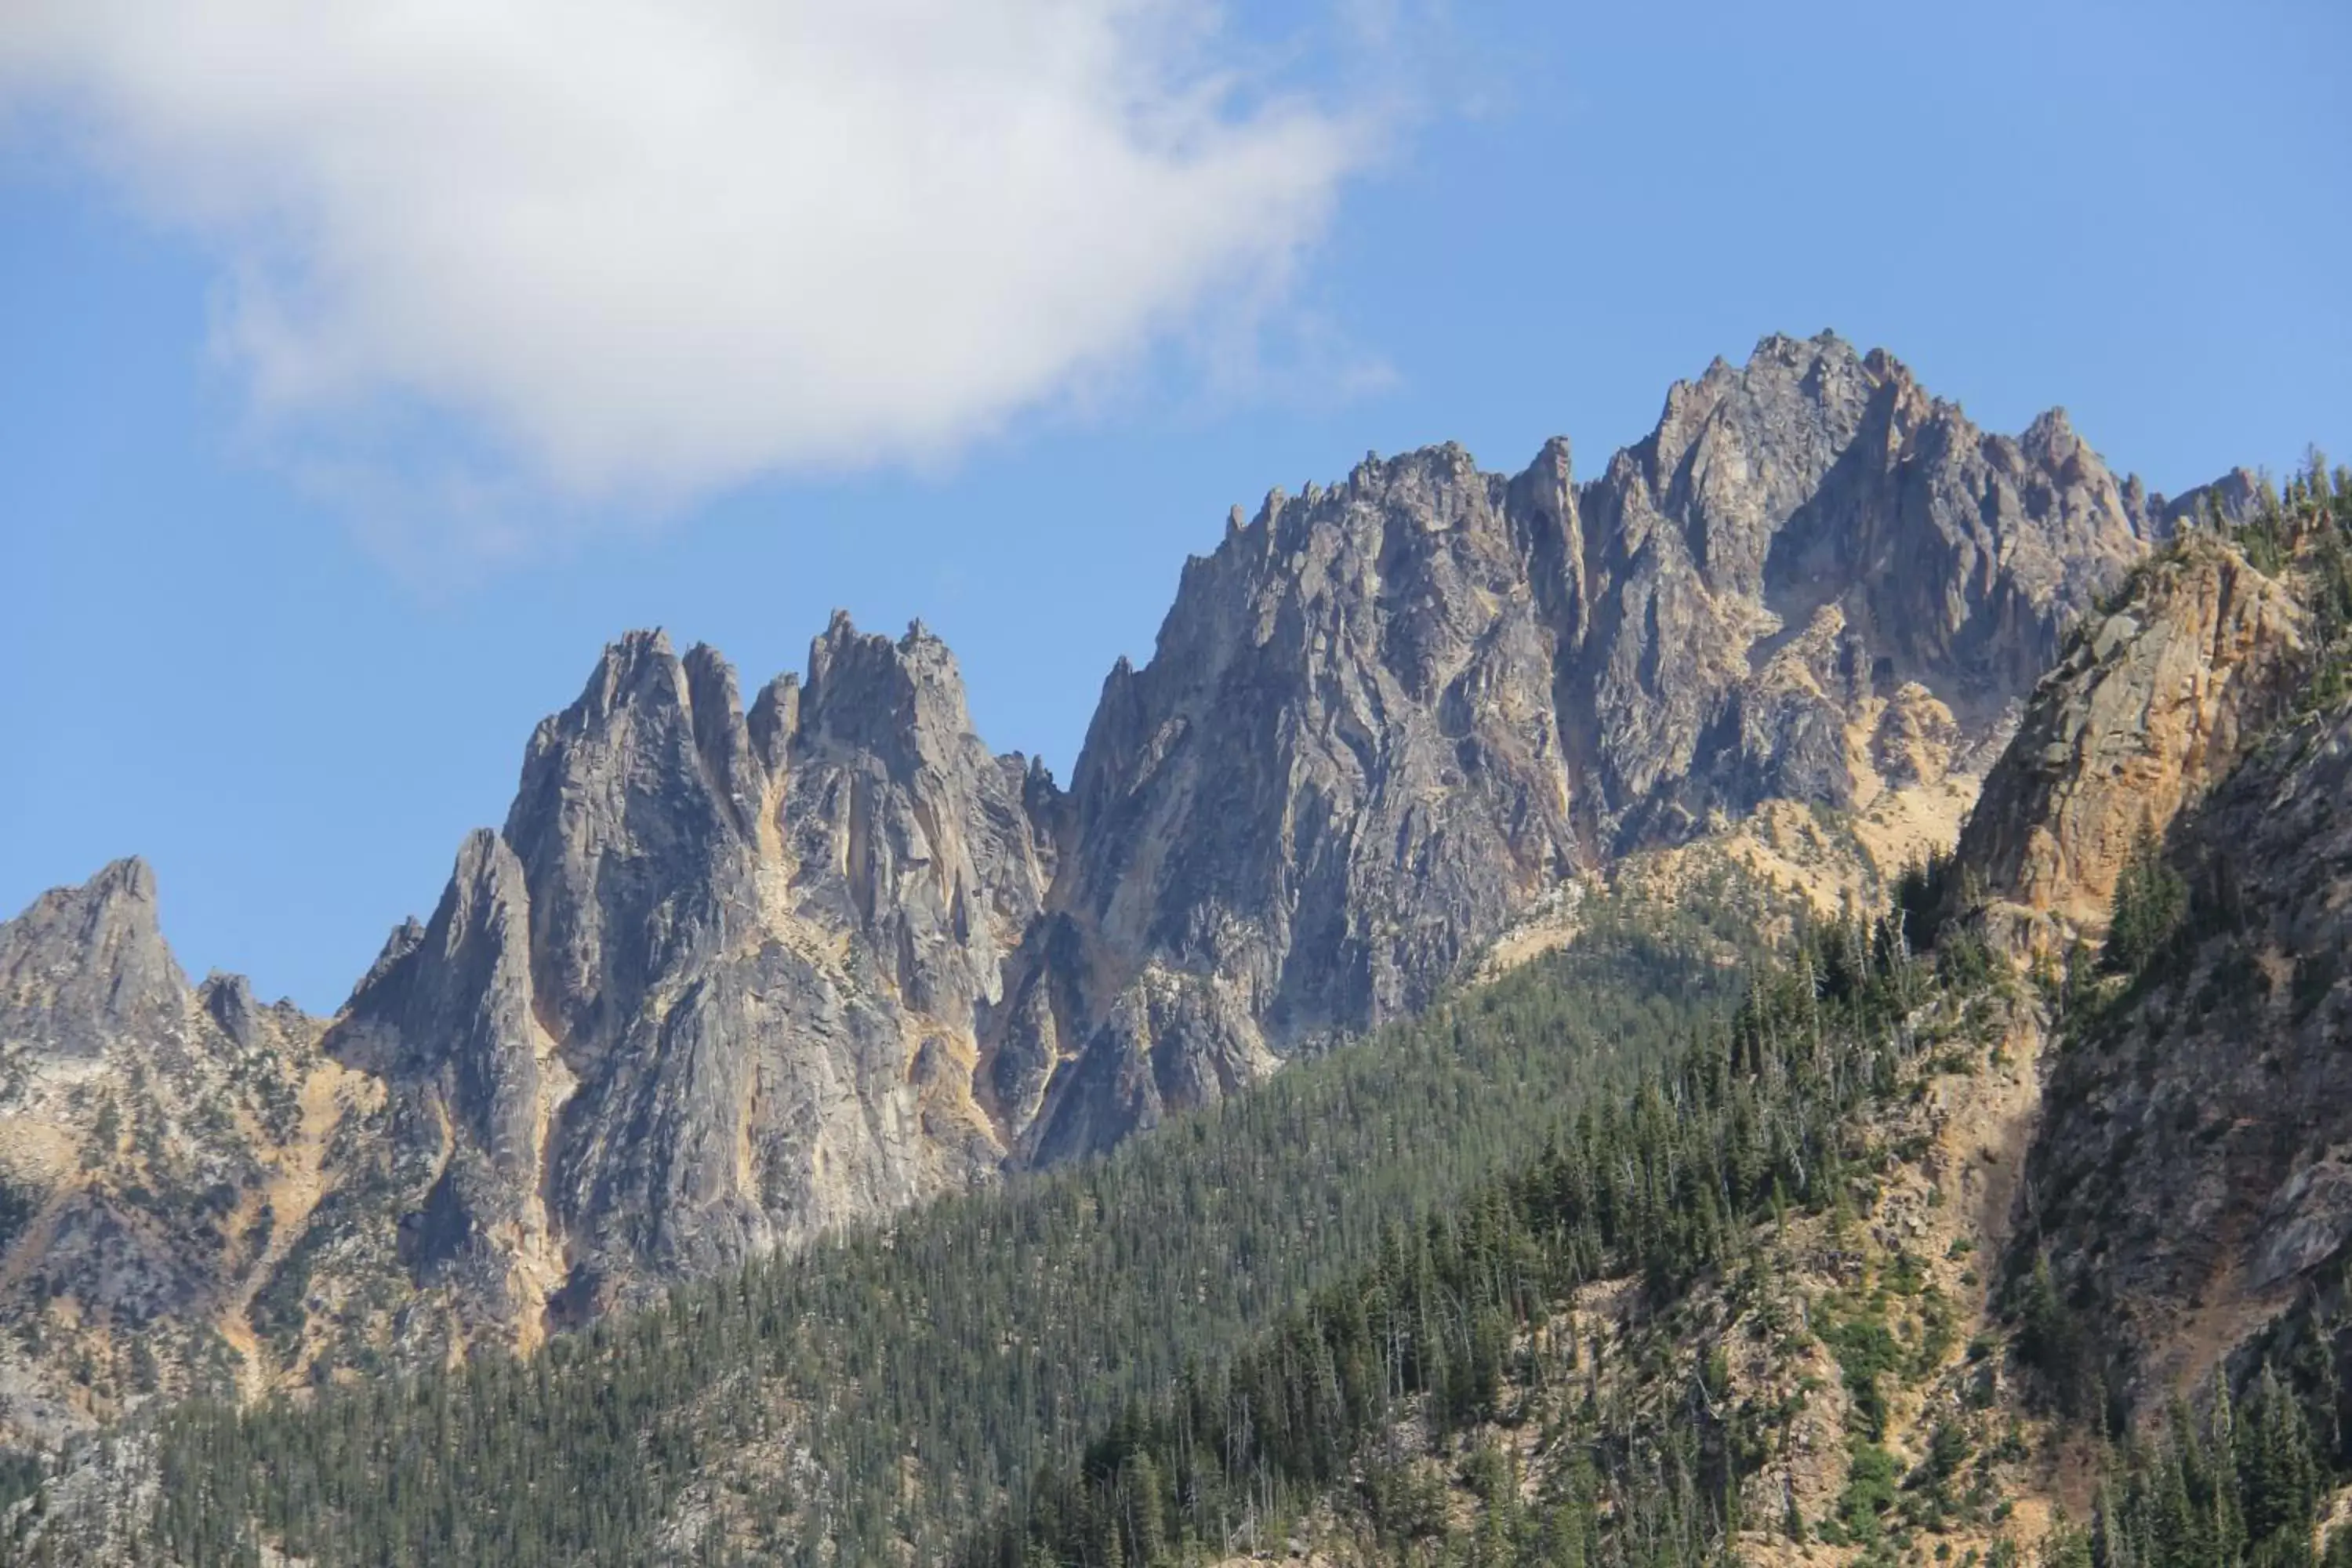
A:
(713, 988)
(1383, 717)
(2146, 709)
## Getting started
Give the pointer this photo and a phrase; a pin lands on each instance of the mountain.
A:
(712, 990)
(2062, 1270)
(2003, 1218)
(734, 976)
(871, 1398)
(163, 1148)
(1383, 718)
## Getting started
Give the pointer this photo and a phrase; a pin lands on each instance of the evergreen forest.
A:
(881, 1394)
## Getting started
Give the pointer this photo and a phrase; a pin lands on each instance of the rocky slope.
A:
(1832, 1392)
(2190, 1195)
(2193, 1167)
(162, 1144)
(2148, 708)
(1384, 718)
(2089, 1192)
(711, 991)
(2168, 1136)
(2184, 770)
(730, 975)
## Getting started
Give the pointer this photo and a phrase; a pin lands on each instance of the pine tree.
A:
(2150, 901)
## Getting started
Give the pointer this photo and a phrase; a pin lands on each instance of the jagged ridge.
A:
(730, 975)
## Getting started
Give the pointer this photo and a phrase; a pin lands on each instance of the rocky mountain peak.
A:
(131, 878)
(1735, 454)
(774, 722)
(81, 965)
(398, 944)
(2232, 500)
(228, 1001)
(2050, 441)
(728, 978)
(722, 737)
(903, 701)
(136, 1115)
(645, 705)
(707, 992)
(1381, 718)
(637, 669)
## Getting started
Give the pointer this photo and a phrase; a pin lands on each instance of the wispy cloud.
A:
(648, 250)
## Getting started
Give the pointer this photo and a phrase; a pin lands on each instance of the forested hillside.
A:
(1740, 1314)
(1677, 1244)
(880, 1394)
(1545, 1373)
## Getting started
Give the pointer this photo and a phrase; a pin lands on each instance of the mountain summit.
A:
(1384, 717)
(734, 975)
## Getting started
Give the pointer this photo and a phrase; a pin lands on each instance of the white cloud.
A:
(652, 249)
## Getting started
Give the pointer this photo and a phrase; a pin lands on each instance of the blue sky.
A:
(295, 702)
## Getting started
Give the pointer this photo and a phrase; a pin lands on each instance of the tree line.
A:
(876, 1395)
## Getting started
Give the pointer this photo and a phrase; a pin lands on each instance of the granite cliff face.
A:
(2194, 1168)
(733, 974)
(2186, 1181)
(2148, 708)
(713, 988)
(1382, 718)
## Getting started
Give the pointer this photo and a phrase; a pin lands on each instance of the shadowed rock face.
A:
(2194, 1167)
(1382, 717)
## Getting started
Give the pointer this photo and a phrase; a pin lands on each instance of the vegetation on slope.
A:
(1571, 1271)
(1461, 1400)
(871, 1399)
(1466, 1338)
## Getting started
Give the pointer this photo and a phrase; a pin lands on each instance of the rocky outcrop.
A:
(86, 965)
(713, 988)
(2232, 500)
(2148, 706)
(2187, 1184)
(145, 1121)
(1382, 718)
(1821, 501)
(2194, 1168)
